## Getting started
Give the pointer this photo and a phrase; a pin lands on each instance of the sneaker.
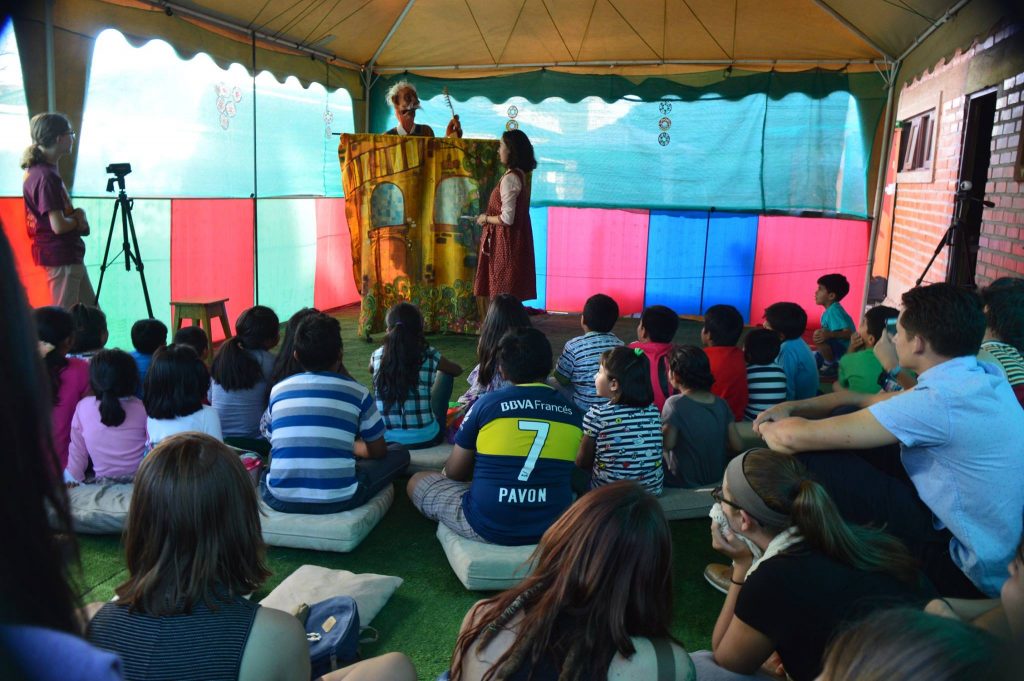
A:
(719, 576)
(829, 371)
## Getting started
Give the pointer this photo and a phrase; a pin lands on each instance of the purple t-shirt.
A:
(44, 191)
(74, 385)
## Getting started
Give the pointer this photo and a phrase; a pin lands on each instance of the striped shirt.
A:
(580, 360)
(1009, 359)
(314, 419)
(766, 384)
(413, 420)
(627, 445)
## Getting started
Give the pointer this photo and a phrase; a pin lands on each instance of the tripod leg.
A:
(106, 251)
(136, 255)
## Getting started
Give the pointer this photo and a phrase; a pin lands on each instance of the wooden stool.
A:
(200, 312)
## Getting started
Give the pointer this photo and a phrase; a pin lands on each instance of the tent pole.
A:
(931, 29)
(883, 166)
(51, 87)
(368, 72)
(852, 29)
(255, 190)
(631, 62)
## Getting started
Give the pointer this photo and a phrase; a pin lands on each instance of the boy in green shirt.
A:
(859, 369)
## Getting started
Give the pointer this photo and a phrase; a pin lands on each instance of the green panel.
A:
(286, 244)
(121, 296)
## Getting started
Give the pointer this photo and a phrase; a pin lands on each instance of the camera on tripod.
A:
(118, 170)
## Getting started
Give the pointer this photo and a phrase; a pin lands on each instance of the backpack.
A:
(332, 629)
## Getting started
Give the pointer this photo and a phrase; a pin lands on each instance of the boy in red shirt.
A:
(657, 327)
(723, 326)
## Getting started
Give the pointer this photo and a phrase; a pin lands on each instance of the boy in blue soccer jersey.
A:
(508, 477)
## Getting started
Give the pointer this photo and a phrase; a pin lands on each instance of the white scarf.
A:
(777, 545)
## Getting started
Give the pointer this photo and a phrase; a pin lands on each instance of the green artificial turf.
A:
(423, 617)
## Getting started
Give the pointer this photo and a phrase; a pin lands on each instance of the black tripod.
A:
(130, 250)
(955, 237)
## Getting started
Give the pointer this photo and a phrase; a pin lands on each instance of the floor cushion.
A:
(684, 504)
(429, 458)
(484, 567)
(340, 532)
(100, 509)
(311, 584)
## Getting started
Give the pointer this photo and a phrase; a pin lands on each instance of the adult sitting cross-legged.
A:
(957, 500)
(508, 477)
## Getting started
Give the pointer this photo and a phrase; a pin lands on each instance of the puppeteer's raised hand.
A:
(454, 128)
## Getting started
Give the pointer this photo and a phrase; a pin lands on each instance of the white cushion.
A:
(311, 584)
(683, 504)
(429, 459)
(340, 532)
(100, 509)
(485, 567)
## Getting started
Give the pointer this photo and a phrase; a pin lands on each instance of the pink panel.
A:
(212, 253)
(594, 250)
(793, 252)
(334, 285)
(33, 277)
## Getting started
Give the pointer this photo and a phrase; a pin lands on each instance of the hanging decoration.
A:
(227, 103)
(512, 123)
(664, 123)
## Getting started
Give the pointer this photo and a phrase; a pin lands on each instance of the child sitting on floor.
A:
(241, 372)
(581, 356)
(833, 338)
(90, 330)
(694, 423)
(657, 327)
(859, 369)
(147, 336)
(622, 438)
(723, 326)
(175, 386)
(110, 427)
(790, 321)
(766, 381)
(505, 313)
(69, 376)
(411, 380)
(195, 338)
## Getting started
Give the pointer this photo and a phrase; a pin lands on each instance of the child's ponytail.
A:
(404, 349)
(45, 128)
(113, 374)
(234, 368)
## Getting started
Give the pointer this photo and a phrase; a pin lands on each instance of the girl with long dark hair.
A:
(241, 372)
(412, 382)
(814, 572)
(285, 364)
(597, 605)
(504, 314)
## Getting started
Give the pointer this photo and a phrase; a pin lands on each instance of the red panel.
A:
(334, 284)
(211, 253)
(33, 277)
(594, 250)
(793, 252)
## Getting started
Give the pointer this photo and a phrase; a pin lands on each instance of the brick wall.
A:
(1002, 247)
(924, 205)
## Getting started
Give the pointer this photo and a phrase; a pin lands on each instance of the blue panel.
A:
(675, 260)
(729, 268)
(539, 218)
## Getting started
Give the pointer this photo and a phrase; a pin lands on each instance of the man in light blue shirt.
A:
(960, 433)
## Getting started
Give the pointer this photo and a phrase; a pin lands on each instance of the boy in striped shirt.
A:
(766, 381)
(317, 465)
(581, 357)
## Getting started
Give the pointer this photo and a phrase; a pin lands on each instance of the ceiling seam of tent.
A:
(586, 30)
(322, 20)
(279, 15)
(713, 39)
(735, 21)
(390, 34)
(252, 23)
(547, 10)
(510, 33)
(481, 32)
(853, 29)
(907, 8)
(934, 27)
(300, 16)
(348, 16)
(633, 28)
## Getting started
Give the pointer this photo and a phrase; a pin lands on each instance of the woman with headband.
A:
(812, 574)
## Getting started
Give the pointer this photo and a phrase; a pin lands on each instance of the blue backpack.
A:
(332, 630)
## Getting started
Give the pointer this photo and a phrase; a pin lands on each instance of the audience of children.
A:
(766, 381)
(790, 321)
(597, 604)
(91, 332)
(109, 428)
(317, 466)
(174, 389)
(695, 423)
(69, 376)
(581, 356)
(859, 369)
(195, 338)
(622, 438)
(723, 326)
(812, 573)
(657, 327)
(509, 474)
(148, 335)
(412, 382)
(505, 312)
(833, 338)
(241, 372)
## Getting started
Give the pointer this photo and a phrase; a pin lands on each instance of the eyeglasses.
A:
(718, 496)
(69, 132)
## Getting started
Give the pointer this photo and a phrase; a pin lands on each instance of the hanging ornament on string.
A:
(227, 102)
(664, 123)
(512, 123)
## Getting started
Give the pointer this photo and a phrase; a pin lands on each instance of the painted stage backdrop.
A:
(411, 204)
